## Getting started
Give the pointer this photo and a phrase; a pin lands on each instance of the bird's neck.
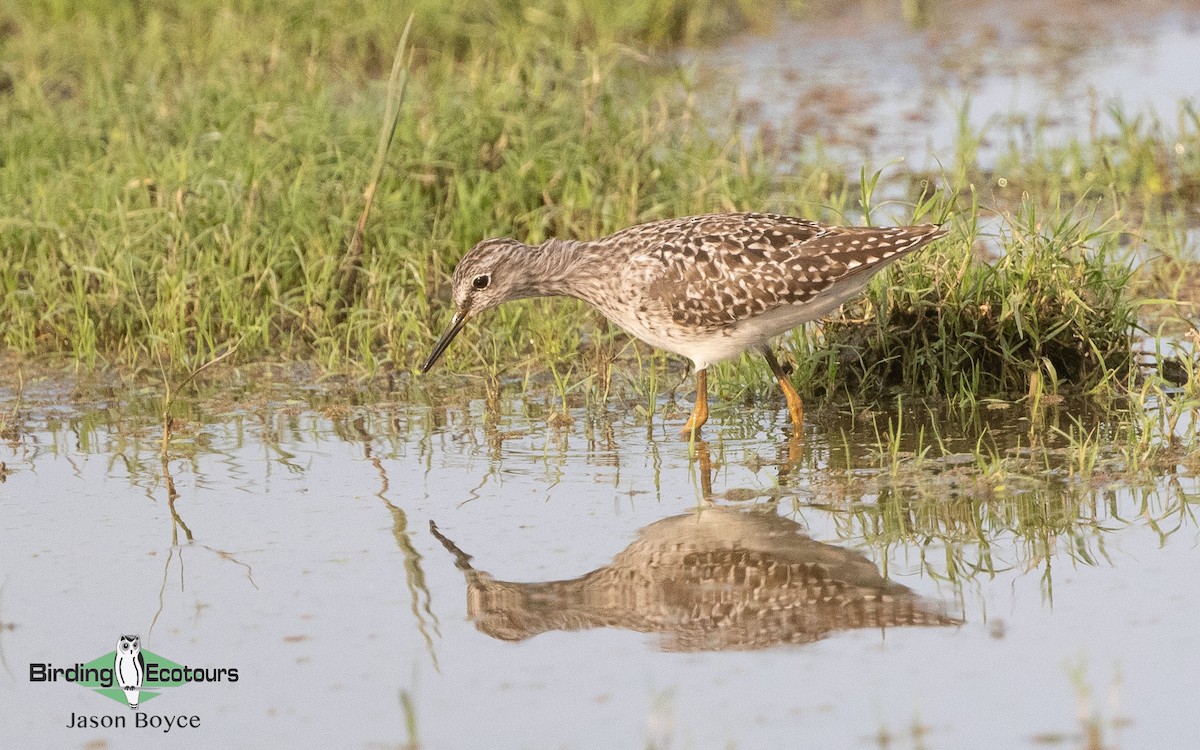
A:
(564, 268)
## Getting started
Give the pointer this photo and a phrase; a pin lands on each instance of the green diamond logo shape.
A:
(151, 688)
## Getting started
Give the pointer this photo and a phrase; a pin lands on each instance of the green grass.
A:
(179, 178)
(1052, 306)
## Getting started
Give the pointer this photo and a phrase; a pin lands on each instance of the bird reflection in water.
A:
(714, 580)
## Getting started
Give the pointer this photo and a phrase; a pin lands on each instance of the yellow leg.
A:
(700, 410)
(795, 406)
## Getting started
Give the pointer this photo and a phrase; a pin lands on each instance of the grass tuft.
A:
(179, 177)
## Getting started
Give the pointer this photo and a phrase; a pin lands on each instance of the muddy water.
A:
(863, 82)
(476, 578)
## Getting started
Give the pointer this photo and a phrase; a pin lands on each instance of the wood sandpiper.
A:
(716, 579)
(705, 287)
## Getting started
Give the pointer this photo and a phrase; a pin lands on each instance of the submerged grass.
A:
(968, 493)
(177, 178)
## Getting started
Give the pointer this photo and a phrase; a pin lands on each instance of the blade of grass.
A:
(347, 278)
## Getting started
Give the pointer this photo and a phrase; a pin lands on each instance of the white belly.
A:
(706, 348)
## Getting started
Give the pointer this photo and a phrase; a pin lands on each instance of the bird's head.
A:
(491, 273)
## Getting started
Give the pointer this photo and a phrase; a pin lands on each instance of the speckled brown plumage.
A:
(705, 287)
(712, 272)
(719, 579)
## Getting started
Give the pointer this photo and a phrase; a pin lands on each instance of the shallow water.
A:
(598, 586)
(870, 85)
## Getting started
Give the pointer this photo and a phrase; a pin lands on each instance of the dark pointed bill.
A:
(456, 325)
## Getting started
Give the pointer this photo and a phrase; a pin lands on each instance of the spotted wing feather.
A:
(721, 269)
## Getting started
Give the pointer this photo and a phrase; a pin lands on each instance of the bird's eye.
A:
(481, 282)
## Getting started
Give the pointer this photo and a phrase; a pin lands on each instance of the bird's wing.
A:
(724, 268)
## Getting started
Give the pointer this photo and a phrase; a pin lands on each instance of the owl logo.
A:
(130, 668)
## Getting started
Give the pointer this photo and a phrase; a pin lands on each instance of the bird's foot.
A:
(691, 428)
